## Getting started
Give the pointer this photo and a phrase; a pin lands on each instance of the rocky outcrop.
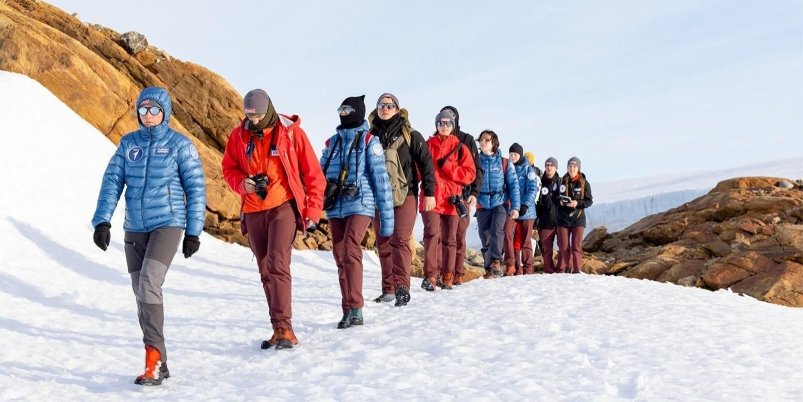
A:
(745, 235)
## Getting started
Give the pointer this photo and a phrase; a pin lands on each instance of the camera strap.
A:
(344, 165)
(331, 154)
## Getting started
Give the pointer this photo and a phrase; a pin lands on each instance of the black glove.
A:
(440, 162)
(523, 210)
(102, 236)
(191, 245)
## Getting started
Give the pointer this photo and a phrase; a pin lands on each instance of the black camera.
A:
(457, 201)
(261, 184)
(565, 199)
(349, 190)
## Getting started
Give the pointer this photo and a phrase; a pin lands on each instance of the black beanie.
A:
(517, 149)
(355, 118)
(456, 117)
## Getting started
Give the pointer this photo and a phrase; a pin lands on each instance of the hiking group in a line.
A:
(376, 170)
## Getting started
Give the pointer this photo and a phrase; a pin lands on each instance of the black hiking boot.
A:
(427, 285)
(402, 296)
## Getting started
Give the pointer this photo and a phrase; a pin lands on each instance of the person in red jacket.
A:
(271, 164)
(454, 169)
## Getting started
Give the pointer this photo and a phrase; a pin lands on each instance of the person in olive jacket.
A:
(575, 199)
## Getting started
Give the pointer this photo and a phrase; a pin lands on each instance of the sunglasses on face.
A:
(154, 110)
(444, 124)
(255, 115)
(387, 106)
(345, 109)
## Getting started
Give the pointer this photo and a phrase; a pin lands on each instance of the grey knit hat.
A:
(551, 160)
(391, 96)
(574, 160)
(445, 114)
(256, 101)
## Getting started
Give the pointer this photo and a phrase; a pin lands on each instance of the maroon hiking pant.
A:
(460, 246)
(547, 238)
(395, 252)
(509, 249)
(271, 234)
(440, 241)
(347, 235)
(523, 235)
(570, 244)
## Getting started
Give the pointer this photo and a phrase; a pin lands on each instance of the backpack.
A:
(398, 180)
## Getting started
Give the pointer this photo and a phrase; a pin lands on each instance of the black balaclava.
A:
(355, 118)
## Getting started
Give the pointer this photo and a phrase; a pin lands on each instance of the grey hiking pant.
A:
(149, 256)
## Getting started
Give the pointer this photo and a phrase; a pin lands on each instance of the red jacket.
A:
(306, 180)
(457, 171)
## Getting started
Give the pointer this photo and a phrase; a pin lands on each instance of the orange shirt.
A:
(262, 160)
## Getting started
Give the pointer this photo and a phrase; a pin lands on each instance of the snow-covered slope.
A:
(69, 332)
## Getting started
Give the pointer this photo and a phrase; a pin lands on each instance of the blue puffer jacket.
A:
(158, 167)
(498, 186)
(366, 173)
(528, 188)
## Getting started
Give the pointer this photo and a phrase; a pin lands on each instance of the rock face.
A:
(745, 235)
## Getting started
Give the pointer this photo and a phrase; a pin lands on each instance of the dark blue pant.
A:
(491, 223)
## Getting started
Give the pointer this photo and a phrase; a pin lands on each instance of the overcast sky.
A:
(633, 88)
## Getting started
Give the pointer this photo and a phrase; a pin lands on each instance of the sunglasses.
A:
(154, 110)
(444, 124)
(345, 109)
(387, 106)
(252, 115)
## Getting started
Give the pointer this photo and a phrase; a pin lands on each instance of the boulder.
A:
(133, 42)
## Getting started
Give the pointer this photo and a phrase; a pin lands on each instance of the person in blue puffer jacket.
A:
(165, 194)
(521, 234)
(357, 185)
(499, 198)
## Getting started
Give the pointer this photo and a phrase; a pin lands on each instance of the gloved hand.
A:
(523, 209)
(190, 246)
(310, 226)
(102, 236)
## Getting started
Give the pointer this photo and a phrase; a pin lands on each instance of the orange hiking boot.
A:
(285, 338)
(153, 368)
(458, 279)
(446, 281)
(510, 270)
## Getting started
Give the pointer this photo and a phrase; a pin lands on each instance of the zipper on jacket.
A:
(145, 180)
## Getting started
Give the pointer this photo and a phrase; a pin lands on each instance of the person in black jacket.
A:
(547, 211)
(470, 193)
(571, 216)
(389, 122)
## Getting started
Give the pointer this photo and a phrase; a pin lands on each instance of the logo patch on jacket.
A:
(562, 188)
(134, 154)
(544, 191)
(377, 149)
(531, 176)
(162, 151)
